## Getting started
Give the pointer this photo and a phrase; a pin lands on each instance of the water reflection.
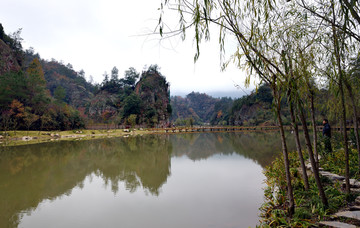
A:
(31, 174)
(261, 147)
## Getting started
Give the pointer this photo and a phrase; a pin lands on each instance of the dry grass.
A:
(15, 138)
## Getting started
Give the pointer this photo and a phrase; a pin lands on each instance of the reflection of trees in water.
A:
(30, 174)
(138, 161)
(261, 147)
(196, 146)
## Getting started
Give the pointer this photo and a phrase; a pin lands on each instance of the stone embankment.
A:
(348, 217)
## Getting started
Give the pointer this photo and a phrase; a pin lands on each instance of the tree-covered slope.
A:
(195, 107)
(43, 94)
(134, 99)
(200, 108)
(154, 93)
(253, 109)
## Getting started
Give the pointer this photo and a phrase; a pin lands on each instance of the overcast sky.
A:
(96, 35)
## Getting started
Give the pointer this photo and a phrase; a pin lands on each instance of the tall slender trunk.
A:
(311, 155)
(313, 121)
(311, 91)
(298, 146)
(287, 165)
(290, 194)
(346, 148)
(355, 116)
(293, 87)
(342, 98)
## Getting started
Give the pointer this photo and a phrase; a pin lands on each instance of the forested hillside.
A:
(41, 94)
(25, 100)
(131, 101)
(253, 109)
(195, 108)
(200, 108)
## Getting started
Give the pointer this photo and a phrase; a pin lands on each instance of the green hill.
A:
(42, 94)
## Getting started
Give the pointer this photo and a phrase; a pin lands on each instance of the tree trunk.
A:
(287, 166)
(293, 87)
(298, 146)
(342, 98)
(311, 89)
(355, 116)
(290, 194)
(311, 155)
(312, 108)
(346, 148)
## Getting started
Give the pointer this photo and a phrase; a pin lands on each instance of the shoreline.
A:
(16, 138)
(36, 137)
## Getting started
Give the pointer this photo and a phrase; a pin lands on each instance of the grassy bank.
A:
(14, 138)
(309, 208)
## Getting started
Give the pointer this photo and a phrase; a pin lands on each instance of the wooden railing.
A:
(233, 128)
(211, 128)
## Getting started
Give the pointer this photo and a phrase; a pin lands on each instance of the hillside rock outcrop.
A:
(154, 93)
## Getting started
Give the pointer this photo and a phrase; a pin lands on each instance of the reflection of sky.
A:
(221, 191)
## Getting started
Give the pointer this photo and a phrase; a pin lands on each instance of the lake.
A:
(182, 180)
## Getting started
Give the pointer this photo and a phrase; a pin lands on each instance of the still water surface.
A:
(184, 180)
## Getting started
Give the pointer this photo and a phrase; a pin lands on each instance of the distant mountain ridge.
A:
(200, 108)
(234, 94)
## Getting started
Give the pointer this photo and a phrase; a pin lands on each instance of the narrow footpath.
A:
(348, 217)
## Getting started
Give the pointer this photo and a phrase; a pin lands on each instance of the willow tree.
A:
(294, 43)
(351, 44)
(301, 36)
(342, 21)
(292, 99)
(301, 72)
(310, 84)
(349, 14)
(253, 25)
(347, 47)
